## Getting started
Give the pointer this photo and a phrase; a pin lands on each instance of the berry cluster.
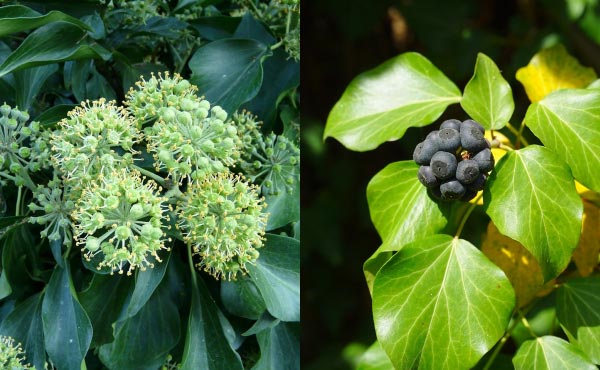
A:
(455, 160)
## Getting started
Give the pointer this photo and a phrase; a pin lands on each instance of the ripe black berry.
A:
(455, 160)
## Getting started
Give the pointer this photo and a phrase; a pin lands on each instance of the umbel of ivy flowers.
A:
(121, 216)
(222, 219)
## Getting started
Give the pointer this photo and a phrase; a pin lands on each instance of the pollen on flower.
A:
(51, 200)
(12, 356)
(225, 234)
(188, 137)
(122, 229)
(83, 148)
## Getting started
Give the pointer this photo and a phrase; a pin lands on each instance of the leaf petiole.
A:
(463, 221)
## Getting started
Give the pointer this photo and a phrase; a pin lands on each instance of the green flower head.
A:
(119, 218)
(222, 219)
(84, 146)
(12, 356)
(16, 138)
(56, 211)
(274, 162)
(189, 137)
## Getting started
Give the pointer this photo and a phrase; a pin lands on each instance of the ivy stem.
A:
(18, 205)
(192, 269)
(526, 324)
(518, 133)
(151, 175)
(463, 221)
(500, 344)
(505, 147)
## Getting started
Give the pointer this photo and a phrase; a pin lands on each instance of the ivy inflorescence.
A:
(122, 175)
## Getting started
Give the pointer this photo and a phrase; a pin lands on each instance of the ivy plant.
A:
(453, 282)
(149, 184)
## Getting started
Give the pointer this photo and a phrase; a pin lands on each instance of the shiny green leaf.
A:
(577, 305)
(488, 97)
(521, 198)
(276, 273)
(265, 321)
(242, 298)
(54, 42)
(103, 301)
(279, 347)
(146, 283)
(229, 72)
(400, 207)
(206, 346)
(284, 207)
(551, 353)
(67, 327)
(375, 359)
(144, 340)
(566, 121)
(381, 104)
(17, 18)
(24, 324)
(29, 82)
(439, 303)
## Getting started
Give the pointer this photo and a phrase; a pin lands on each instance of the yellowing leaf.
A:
(552, 69)
(518, 264)
(588, 249)
(586, 193)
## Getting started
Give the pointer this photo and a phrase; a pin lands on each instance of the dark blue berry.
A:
(425, 151)
(478, 184)
(443, 165)
(467, 171)
(471, 136)
(427, 177)
(448, 139)
(451, 123)
(485, 160)
(452, 189)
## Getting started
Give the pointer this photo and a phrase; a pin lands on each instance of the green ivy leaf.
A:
(439, 303)
(242, 298)
(24, 324)
(374, 263)
(18, 252)
(229, 72)
(488, 97)
(29, 82)
(521, 199)
(577, 305)
(279, 347)
(103, 301)
(146, 283)
(551, 353)
(380, 104)
(566, 121)
(284, 207)
(144, 340)
(375, 359)
(206, 346)
(67, 327)
(5, 289)
(392, 192)
(17, 18)
(276, 273)
(54, 42)
(50, 117)
(264, 322)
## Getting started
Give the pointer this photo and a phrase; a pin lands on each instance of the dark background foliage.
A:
(342, 38)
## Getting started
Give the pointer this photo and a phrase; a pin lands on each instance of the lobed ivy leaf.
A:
(488, 97)
(550, 353)
(18, 18)
(439, 303)
(521, 199)
(577, 305)
(552, 69)
(392, 192)
(375, 358)
(229, 72)
(24, 324)
(381, 104)
(67, 327)
(276, 273)
(54, 42)
(566, 121)
(206, 346)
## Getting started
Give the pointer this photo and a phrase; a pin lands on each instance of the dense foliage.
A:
(149, 166)
(442, 299)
